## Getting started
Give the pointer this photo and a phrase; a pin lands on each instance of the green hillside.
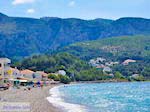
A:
(74, 58)
(117, 49)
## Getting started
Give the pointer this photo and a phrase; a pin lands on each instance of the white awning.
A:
(18, 80)
(23, 80)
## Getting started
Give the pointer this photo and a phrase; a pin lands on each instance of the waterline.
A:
(56, 100)
(108, 97)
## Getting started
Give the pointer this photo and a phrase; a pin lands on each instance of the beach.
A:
(36, 97)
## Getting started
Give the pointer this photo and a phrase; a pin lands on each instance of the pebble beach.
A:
(36, 97)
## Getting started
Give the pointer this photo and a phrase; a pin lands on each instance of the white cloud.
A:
(72, 3)
(30, 11)
(16, 2)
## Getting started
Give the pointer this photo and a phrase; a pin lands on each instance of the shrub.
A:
(64, 79)
(54, 77)
(118, 75)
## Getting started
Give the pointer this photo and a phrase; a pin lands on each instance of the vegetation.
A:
(139, 78)
(62, 78)
(117, 49)
(113, 49)
(90, 75)
(140, 67)
(118, 75)
(75, 68)
(21, 37)
(54, 77)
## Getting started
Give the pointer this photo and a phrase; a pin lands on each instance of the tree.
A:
(64, 79)
(118, 75)
(54, 77)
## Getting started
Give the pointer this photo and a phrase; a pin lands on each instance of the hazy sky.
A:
(85, 9)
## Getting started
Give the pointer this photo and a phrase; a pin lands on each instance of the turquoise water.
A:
(108, 97)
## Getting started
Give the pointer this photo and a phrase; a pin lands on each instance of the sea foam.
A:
(56, 100)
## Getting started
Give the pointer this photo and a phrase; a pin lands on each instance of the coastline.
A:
(76, 107)
(36, 97)
(106, 81)
(42, 98)
(56, 100)
(100, 81)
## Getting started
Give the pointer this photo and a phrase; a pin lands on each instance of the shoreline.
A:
(56, 100)
(106, 81)
(100, 81)
(37, 97)
(75, 107)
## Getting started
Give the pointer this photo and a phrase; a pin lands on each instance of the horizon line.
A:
(72, 17)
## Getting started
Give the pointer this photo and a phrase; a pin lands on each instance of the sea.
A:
(102, 97)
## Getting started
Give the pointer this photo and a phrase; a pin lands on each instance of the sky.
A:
(84, 9)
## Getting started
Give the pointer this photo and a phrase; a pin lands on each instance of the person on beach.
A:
(38, 84)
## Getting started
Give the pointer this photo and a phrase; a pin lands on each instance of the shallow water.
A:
(105, 97)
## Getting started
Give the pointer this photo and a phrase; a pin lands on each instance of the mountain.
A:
(21, 37)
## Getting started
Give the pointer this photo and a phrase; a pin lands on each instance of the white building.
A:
(126, 62)
(4, 62)
(107, 69)
(62, 72)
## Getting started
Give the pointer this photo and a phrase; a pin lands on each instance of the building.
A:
(96, 62)
(29, 74)
(111, 63)
(101, 66)
(107, 69)
(13, 73)
(134, 76)
(126, 62)
(99, 60)
(111, 75)
(4, 62)
(40, 75)
(16, 73)
(62, 72)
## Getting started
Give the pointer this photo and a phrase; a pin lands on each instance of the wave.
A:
(56, 100)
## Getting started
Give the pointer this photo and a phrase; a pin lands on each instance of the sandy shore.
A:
(36, 97)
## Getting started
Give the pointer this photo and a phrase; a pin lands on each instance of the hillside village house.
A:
(62, 72)
(107, 69)
(126, 62)
(59, 72)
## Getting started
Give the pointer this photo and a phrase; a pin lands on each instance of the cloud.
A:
(17, 2)
(30, 11)
(72, 4)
